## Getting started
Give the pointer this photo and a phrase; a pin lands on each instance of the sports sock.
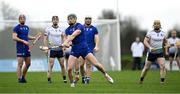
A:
(162, 79)
(49, 79)
(64, 77)
(142, 78)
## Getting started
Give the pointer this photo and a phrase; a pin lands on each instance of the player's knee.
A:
(62, 66)
(162, 66)
(88, 64)
(146, 68)
(20, 65)
(69, 70)
(27, 65)
(51, 63)
(82, 66)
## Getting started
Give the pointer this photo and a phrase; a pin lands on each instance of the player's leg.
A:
(88, 71)
(149, 59)
(26, 67)
(60, 57)
(66, 63)
(145, 70)
(161, 62)
(19, 67)
(71, 61)
(82, 69)
(170, 61)
(66, 59)
(178, 61)
(77, 70)
(61, 62)
(91, 58)
(50, 66)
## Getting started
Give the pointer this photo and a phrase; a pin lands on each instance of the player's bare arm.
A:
(96, 48)
(63, 38)
(31, 37)
(71, 37)
(165, 43)
(146, 42)
(45, 41)
(15, 38)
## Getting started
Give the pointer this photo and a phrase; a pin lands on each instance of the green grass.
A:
(125, 82)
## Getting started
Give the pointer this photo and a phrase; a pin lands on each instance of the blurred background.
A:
(118, 22)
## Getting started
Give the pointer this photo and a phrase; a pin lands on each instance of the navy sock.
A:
(64, 77)
(88, 78)
(49, 79)
(22, 77)
(19, 79)
(142, 78)
(162, 79)
(83, 77)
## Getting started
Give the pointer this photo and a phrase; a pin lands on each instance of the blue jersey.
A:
(79, 41)
(22, 33)
(90, 33)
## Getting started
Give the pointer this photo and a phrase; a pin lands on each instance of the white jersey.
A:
(137, 49)
(172, 41)
(54, 36)
(156, 38)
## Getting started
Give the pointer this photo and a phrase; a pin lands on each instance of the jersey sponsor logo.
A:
(88, 29)
(20, 53)
(23, 28)
(157, 39)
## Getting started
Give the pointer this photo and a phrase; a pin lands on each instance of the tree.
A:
(107, 14)
(8, 47)
(8, 12)
(129, 28)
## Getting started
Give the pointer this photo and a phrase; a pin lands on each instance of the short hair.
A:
(72, 15)
(172, 31)
(53, 17)
(157, 21)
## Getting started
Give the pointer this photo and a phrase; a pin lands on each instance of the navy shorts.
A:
(153, 56)
(172, 55)
(92, 51)
(23, 52)
(54, 54)
(83, 52)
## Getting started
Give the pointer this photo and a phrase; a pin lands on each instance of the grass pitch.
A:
(124, 82)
